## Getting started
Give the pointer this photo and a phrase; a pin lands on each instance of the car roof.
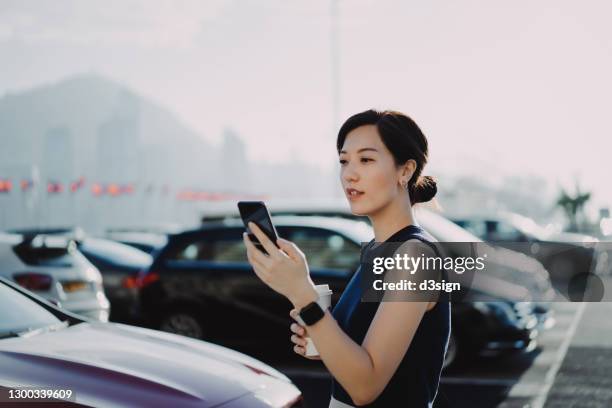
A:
(359, 231)
(158, 229)
(10, 239)
(230, 209)
(35, 239)
(524, 224)
(10, 243)
(149, 238)
(115, 251)
(436, 224)
(72, 232)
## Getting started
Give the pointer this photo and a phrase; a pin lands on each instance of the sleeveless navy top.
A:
(415, 382)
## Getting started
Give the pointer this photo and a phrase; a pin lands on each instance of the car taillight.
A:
(75, 286)
(147, 279)
(140, 281)
(34, 281)
(130, 282)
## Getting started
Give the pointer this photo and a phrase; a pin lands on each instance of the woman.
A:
(385, 354)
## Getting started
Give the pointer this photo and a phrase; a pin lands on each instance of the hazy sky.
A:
(499, 87)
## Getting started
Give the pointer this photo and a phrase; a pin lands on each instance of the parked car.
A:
(119, 265)
(109, 364)
(53, 267)
(508, 265)
(145, 241)
(201, 285)
(162, 228)
(564, 254)
(146, 238)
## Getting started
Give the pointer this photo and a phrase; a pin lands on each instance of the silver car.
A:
(52, 267)
(113, 365)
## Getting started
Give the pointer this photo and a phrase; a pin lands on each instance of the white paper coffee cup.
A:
(324, 301)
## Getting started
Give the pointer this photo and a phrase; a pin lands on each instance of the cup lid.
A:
(322, 289)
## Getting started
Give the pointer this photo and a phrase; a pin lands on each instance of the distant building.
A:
(117, 149)
(58, 154)
(234, 167)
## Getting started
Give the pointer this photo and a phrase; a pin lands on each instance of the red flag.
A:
(54, 187)
(127, 189)
(77, 185)
(5, 186)
(113, 189)
(97, 189)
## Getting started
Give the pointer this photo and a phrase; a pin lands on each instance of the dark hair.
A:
(405, 141)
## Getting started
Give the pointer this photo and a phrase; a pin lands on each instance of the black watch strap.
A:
(311, 313)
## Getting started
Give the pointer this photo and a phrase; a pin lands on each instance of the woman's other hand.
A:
(298, 338)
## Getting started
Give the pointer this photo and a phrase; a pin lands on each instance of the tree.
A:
(573, 205)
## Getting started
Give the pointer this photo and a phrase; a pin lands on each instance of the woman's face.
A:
(369, 176)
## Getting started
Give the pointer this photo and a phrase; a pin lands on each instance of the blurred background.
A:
(130, 129)
(115, 113)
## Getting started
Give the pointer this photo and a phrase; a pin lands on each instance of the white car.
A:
(52, 267)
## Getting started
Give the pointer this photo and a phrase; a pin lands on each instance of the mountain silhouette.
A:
(88, 125)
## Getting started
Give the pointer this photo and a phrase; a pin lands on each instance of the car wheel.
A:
(182, 323)
(450, 357)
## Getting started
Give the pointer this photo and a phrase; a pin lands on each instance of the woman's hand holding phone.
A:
(284, 268)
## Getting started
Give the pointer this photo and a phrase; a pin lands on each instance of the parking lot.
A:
(561, 353)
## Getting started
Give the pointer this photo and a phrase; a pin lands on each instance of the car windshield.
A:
(19, 314)
(116, 253)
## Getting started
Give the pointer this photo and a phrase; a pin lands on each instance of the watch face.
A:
(312, 313)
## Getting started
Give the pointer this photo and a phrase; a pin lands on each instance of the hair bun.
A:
(424, 190)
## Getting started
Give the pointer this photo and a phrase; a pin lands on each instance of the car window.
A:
(138, 245)
(18, 313)
(324, 248)
(115, 253)
(225, 248)
(476, 227)
(503, 231)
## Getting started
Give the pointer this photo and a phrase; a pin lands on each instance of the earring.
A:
(404, 184)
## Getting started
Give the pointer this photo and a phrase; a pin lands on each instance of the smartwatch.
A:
(310, 314)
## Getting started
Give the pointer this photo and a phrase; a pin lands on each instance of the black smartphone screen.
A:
(256, 212)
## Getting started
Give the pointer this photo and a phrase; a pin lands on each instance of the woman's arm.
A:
(363, 370)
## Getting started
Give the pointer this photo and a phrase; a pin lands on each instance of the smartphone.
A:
(257, 212)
